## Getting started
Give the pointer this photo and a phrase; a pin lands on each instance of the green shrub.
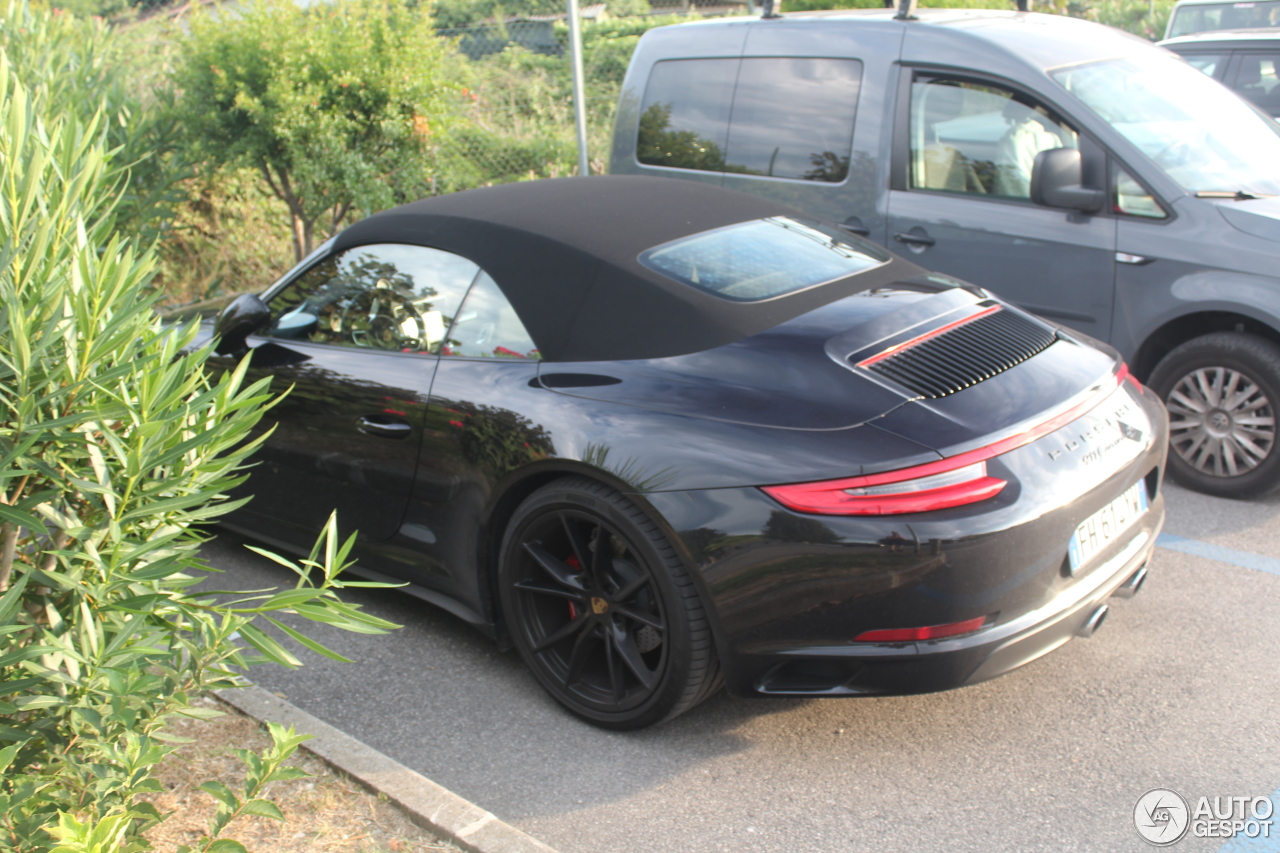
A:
(82, 67)
(332, 105)
(115, 445)
(225, 238)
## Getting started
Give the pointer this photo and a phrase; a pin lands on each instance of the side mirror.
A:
(246, 315)
(1056, 181)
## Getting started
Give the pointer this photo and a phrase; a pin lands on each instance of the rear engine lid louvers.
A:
(961, 354)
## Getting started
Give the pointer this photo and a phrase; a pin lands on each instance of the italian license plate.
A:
(1106, 525)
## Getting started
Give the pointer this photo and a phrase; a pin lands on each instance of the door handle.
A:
(914, 239)
(394, 429)
(854, 226)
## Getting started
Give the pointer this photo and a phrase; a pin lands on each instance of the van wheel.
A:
(602, 608)
(1222, 391)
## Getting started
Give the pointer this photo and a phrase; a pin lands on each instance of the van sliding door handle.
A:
(914, 239)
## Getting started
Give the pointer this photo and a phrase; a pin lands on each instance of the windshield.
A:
(765, 258)
(1201, 134)
(1211, 17)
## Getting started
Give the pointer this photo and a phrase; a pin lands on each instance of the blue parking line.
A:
(1217, 552)
(1244, 844)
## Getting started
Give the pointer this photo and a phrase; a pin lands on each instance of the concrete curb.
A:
(426, 803)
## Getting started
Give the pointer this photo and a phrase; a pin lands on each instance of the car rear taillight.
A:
(893, 493)
(954, 481)
(930, 632)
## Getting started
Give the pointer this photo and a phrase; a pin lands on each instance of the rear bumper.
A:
(927, 667)
(789, 592)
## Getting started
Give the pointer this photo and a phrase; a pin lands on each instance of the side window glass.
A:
(979, 139)
(488, 327)
(1209, 63)
(1257, 80)
(793, 118)
(1132, 199)
(684, 118)
(387, 296)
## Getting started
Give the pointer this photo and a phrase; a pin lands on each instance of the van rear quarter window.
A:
(780, 117)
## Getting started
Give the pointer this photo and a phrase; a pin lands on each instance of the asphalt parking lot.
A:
(1180, 689)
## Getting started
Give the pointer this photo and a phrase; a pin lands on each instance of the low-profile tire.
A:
(1222, 391)
(602, 609)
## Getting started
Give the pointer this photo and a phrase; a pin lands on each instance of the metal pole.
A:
(579, 103)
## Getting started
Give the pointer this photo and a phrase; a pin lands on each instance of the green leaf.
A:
(290, 597)
(226, 845)
(268, 646)
(221, 793)
(287, 774)
(263, 808)
(10, 601)
(201, 713)
(6, 757)
(32, 703)
(20, 518)
(315, 646)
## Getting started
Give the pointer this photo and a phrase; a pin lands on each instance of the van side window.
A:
(793, 118)
(776, 117)
(1210, 63)
(684, 118)
(1257, 78)
(979, 139)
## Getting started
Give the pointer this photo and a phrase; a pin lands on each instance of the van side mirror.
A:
(246, 315)
(1056, 181)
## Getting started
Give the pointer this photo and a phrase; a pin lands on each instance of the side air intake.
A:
(963, 353)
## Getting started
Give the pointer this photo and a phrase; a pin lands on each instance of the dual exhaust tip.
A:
(1128, 589)
(1094, 622)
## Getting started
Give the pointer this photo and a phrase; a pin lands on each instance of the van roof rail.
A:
(907, 8)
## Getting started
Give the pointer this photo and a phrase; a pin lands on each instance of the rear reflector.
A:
(954, 481)
(931, 632)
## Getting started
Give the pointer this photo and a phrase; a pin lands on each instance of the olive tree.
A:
(333, 105)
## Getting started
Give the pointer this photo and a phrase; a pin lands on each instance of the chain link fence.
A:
(515, 121)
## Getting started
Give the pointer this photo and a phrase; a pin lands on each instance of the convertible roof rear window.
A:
(764, 258)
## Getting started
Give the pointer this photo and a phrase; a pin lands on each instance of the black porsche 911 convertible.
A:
(662, 436)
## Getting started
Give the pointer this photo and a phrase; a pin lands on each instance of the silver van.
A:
(1081, 172)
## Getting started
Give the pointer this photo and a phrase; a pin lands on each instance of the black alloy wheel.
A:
(602, 609)
(1222, 392)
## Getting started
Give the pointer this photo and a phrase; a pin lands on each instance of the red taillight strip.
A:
(919, 339)
(931, 632)
(828, 497)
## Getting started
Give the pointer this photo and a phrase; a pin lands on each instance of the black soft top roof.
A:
(564, 251)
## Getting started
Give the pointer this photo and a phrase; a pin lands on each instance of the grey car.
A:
(1246, 61)
(1081, 172)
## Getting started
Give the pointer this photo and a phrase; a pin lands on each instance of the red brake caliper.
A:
(577, 569)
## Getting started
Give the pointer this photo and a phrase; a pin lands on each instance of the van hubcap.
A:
(1220, 421)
